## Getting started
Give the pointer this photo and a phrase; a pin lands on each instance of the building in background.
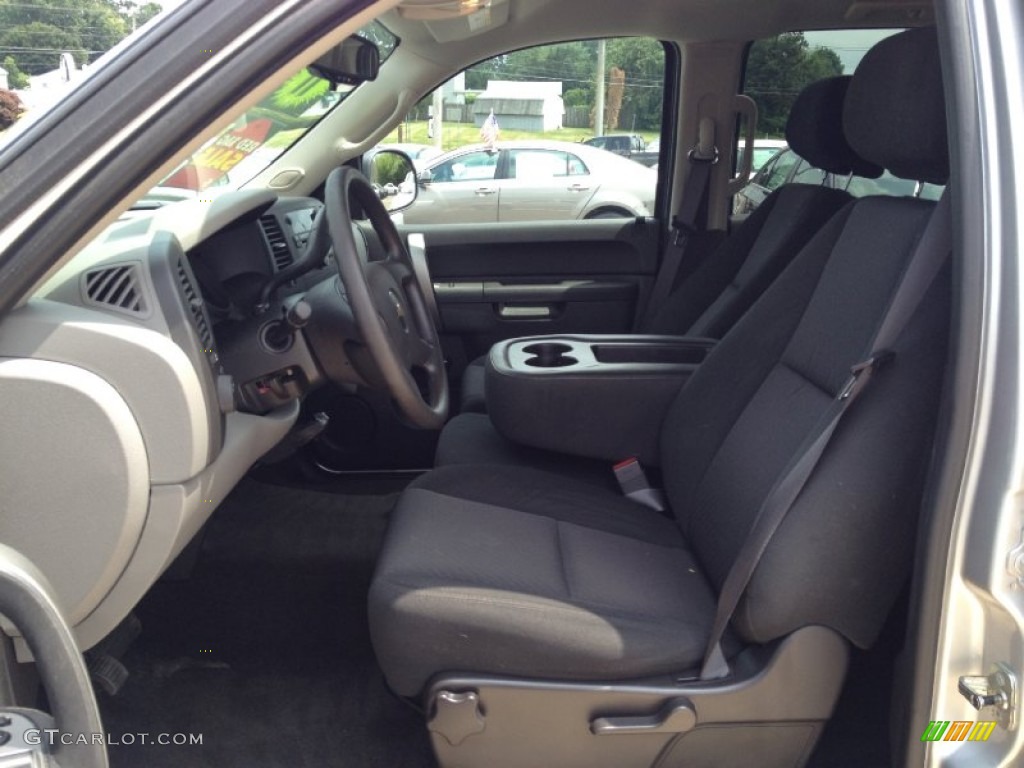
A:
(521, 106)
(50, 87)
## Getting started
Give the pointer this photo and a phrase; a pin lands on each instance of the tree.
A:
(643, 61)
(778, 68)
(572, 64)
(10, 109)
(146, 12)
(15, 77)
(36, 47)
(36, 33)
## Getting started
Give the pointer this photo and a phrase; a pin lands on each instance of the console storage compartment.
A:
(602, 397)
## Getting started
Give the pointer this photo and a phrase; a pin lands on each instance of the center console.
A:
(602, 397)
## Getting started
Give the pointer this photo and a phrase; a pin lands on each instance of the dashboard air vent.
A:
(194, 303)
(118, 287)
(279, 249)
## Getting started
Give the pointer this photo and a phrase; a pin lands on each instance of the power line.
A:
(78, 9)
(58, 51)
(639, 83)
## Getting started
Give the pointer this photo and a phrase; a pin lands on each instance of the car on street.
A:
(764, 150)
(531, 181)
(787, 167)
(629, 145)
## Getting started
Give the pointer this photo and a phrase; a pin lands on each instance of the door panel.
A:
(511, 279)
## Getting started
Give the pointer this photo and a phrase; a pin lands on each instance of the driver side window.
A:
(518, 122)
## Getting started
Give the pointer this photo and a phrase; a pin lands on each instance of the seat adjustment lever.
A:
(677, 716)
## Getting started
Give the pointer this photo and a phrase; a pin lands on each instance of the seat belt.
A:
(702, 158)
(930, 254)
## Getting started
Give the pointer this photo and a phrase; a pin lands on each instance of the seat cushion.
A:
(541, 577)
(471, 438)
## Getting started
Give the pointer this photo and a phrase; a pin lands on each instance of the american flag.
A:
(489, 131)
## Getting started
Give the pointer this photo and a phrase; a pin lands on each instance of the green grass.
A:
(459, 134)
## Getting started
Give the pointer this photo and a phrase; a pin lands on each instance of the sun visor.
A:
(450, 20)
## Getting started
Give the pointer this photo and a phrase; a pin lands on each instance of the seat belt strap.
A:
(702, 158)
(929, 255)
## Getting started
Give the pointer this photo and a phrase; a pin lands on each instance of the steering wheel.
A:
(389, 308)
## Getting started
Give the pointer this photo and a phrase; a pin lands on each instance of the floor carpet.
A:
(264, 650)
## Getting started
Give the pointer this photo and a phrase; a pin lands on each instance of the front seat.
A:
(731, 278)
(543, 621)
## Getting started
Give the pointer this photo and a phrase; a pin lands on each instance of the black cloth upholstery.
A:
(747, 262)
(510, 570)
(783, 363)
(814, 129)
(591, 584)
(471, 393)
(895, 111)
(471, 438)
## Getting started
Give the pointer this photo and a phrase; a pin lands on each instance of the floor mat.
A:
(265, 651)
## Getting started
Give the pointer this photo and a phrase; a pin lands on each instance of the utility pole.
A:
(438, 116)
(599, 90)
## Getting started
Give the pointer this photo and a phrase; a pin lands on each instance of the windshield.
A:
(263, 133)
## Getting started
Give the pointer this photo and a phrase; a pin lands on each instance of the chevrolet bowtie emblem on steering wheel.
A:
(399, 309)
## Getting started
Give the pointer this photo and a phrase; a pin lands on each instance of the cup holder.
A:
(549, 355)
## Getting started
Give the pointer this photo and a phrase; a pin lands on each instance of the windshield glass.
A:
(261, 134)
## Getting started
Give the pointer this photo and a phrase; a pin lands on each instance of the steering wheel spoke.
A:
(389, 309)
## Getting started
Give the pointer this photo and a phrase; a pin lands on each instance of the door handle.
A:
(486, 191)
(522, 312)
(579, 188)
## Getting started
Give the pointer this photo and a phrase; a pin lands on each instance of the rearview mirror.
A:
(353, 61)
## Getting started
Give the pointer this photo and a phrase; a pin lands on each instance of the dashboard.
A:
(167, 358)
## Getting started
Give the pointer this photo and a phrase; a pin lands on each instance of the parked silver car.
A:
(787, 167)
(530, 181)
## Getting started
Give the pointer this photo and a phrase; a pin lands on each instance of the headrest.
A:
(895, 112)
(815, 130)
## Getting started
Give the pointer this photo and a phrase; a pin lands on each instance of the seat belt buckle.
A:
(680, 228)
(634, 485)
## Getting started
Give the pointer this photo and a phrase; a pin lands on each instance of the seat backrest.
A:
(730, 279)
(842, 553)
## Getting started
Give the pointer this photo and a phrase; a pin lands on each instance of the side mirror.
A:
(391, 172)
(424, 177)
(353, 61)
